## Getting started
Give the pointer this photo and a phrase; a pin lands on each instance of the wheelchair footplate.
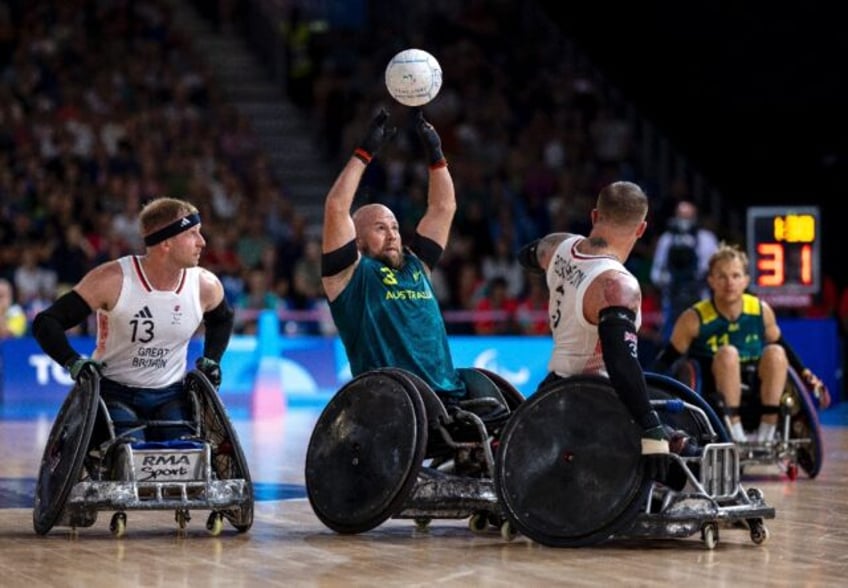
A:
(446, 496)
(784, 454)
(711, 497)
(158, 476)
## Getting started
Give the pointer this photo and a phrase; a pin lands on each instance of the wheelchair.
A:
(569, 471)
(386, 446)
(798, 437)
(87, 468)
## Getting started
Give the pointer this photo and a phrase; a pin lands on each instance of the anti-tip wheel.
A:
(215, 523)
(182, 517)
(118, 524)
(709, 534)
(508, 532)
(422, 523)
(478, 522)
(759, 532)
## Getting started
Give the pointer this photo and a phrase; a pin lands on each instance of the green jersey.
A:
(391, 318)
(746, 333)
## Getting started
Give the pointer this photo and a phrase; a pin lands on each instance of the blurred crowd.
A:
(104, 105)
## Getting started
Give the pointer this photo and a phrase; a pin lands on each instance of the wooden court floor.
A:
(289, 546)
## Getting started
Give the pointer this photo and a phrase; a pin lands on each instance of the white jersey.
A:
(577, 346)
(143, 341)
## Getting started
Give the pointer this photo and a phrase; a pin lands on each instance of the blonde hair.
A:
(162, 211)
(728, 252)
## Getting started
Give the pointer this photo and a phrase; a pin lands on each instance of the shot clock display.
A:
(783, 248)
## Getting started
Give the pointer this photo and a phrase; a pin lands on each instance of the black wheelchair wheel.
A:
(65, 452)
(512, 396)
(435, 412)
(568, 470)
(365, 451)
(228, 459)
(661, 387)
(804, 424)
(688, 372)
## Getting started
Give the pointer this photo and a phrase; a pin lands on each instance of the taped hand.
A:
(655, 453)
(211, 369)
(84, 367)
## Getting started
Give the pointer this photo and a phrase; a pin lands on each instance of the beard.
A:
(393, 259)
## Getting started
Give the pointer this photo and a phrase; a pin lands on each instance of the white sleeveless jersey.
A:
(143, 341)
(577, 346)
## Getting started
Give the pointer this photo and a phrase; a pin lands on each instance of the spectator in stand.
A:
(34, 284)
(13, 321)
(71, 257)
(532, 311)
(503, 263)
(681, 262)
(221, 259)
(495, 312)
(307, 290)
(256, 297)
(650, 332)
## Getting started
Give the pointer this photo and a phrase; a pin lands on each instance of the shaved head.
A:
(369, 214)
(378, 234)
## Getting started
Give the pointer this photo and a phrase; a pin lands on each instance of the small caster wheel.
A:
(478, 522)
(709, 534)
(118, 524)
(792, 471)
(759, 532)
(422, 523)
(215, 523)
(755, 494)
(182, 517)
(508, 532)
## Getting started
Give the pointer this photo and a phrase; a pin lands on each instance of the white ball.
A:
(413, 77)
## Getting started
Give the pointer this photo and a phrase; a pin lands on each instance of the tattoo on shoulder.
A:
(550, 242)
(621, 290)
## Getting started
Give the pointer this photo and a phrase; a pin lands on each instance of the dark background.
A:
(754, 96)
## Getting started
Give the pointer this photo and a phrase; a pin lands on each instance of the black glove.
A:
(432, 142)
(378, 134)
(211, 369)
(83, 366)
(655, 453)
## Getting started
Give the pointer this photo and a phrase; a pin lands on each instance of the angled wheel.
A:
(64, 454)
(435, 414)
(662, 387)
(118, 524)
(228, 460)
(568, 471)
(512, 396)
(804, 424)
(215, 523)
(365, 451)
